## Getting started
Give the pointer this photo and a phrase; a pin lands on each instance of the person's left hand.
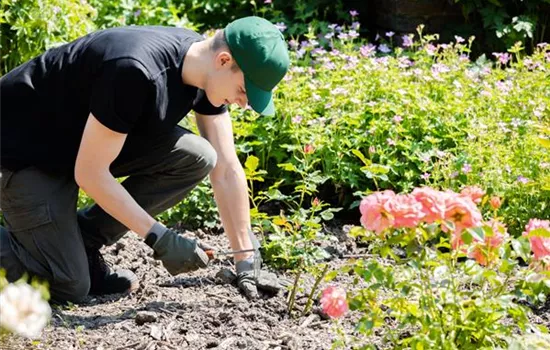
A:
(265, 281)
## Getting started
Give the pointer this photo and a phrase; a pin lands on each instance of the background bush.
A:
(419, 115)
(372, 117)
(29, 27)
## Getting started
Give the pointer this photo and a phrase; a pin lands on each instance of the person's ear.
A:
(224, 60)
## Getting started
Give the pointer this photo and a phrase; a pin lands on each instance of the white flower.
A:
(23, 310)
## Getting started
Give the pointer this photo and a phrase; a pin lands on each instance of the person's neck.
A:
(195, 68)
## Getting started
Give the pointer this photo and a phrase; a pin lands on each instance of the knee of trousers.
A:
(195, 155)
(73, 291)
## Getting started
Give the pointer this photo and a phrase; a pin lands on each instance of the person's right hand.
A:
(180, 254)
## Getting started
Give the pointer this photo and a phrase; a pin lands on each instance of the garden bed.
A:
(199, 310)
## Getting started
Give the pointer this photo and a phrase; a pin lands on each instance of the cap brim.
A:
(260, 100)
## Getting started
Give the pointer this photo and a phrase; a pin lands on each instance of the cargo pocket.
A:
(32, 227)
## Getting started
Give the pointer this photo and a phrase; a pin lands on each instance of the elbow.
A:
(80, 176)
(84, 176)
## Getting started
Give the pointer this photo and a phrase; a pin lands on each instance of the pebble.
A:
(212, 344)
(145, 317)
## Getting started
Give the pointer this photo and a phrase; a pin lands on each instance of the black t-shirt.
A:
(128, 77)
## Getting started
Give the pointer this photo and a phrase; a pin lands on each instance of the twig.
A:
(168, 311)
(357, 256)
(132, 345)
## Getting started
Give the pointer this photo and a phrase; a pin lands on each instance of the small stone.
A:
(212, 344)
(156, 332)
(225, 276)
(145, 317)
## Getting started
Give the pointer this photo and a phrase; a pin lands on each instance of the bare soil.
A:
(199, 310)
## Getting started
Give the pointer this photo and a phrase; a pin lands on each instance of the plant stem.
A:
(292, 296)
(315, 285)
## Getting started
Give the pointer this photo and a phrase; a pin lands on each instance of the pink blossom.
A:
(406, 211)
(462, 212)
(433, 203)
(309, 149)
(473, 192)
(368, 50)
(539, 245)
(495, 203)
(333, 301)
(373, 215)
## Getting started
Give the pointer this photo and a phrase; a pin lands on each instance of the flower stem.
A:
(292, 296)
(310, 297)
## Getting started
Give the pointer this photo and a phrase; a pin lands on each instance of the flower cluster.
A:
(455, 211)
(23, 310)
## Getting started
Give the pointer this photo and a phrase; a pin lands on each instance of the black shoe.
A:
(104, 281)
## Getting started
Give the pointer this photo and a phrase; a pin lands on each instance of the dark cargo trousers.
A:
(46, 236)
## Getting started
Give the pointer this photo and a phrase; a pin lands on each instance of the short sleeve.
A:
(119, 94)
(203, 106)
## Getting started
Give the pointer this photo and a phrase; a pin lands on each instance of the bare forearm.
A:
(231, 194)
(112, 197)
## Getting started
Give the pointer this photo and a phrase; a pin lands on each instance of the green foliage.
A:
(291, 234)
(197, 210)
(436, 298)
(30, 27)
(509, 21)
(420, 115)
(116, 13)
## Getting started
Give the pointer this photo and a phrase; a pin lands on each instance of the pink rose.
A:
(473, 192)
(373, 215)
(462, 212)
(433, 203)
(406, 211)
(333, 301)
(539, 245)
(495, 203)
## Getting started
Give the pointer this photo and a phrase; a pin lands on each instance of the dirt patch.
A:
(200, 310)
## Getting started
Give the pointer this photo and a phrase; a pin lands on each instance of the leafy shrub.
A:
(116, 13)
(379, 116)
(30, 27)
(459, 283)
(508, 21)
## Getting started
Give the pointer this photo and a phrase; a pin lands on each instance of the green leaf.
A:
(521, 247)
(288, 167)
(544, 142)
(331, 275)
(378, 169)
(361, 156)
(539, 232)
(251, 163)
(327, 215)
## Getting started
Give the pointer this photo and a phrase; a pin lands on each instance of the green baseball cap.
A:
(261, 52)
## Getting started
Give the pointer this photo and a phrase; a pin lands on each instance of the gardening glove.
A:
(177, 253)
(265, 281)
(249, 280)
